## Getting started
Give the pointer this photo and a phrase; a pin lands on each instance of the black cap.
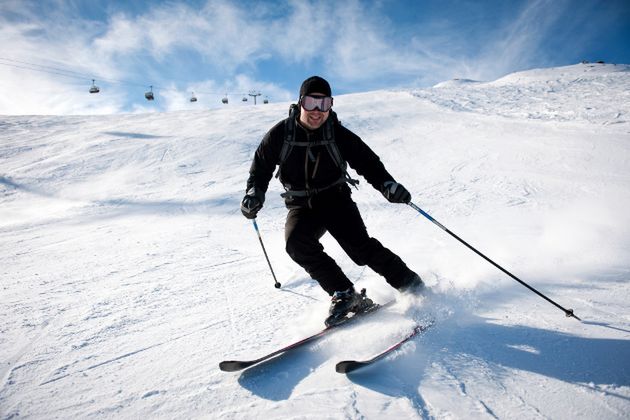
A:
(315, 84)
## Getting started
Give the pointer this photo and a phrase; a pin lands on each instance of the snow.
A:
(129, 273)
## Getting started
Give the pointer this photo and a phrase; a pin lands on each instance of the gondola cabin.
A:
(149, 94)
(94, 88)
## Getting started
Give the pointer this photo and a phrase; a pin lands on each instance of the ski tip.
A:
(232, 366)
(348, 366)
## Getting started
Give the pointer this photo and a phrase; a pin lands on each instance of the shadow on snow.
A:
(276, 379)
(572, 359)
(133, 135)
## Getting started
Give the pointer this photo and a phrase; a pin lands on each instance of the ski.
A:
(348, 366)
(236, 365)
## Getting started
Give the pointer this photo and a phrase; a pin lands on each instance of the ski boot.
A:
(345, 302)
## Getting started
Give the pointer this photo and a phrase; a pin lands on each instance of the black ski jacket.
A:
(312, 167)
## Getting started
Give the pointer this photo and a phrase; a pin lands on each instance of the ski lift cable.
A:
(77, 75)
(67, 73)
(55, 69)
(70, 73)
(45, 71)
(61, 72)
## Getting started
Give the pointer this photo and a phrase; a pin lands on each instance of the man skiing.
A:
(311, 149)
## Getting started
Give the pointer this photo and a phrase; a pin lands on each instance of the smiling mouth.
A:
(314, 119)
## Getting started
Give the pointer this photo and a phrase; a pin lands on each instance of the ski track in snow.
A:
(129, 273)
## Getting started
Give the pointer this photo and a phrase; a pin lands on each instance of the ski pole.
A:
(277, 285)
(568, 312)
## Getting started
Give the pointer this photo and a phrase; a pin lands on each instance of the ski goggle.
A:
(311, 103)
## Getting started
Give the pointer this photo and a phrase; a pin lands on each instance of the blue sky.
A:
(50, 50)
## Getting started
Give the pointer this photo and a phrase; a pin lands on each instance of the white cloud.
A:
(517, 44)
(220, 32)
(25, 92)
(305, 33)
(54, 44)
(351, 41)
(123, 37)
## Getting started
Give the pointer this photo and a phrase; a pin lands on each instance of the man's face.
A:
(313, 119)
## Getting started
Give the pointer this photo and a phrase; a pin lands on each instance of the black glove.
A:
(395, 192)
(252, 202)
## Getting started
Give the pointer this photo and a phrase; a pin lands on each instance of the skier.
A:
(311, 149)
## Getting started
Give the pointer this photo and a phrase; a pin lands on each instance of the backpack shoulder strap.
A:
(333, 148)
(289, 136)
(331, 144)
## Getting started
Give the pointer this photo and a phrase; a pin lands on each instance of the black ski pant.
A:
(334, 212)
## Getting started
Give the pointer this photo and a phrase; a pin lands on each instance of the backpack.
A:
(329, 142)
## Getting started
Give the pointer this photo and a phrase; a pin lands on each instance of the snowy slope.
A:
(582, 92)
(129, 273)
